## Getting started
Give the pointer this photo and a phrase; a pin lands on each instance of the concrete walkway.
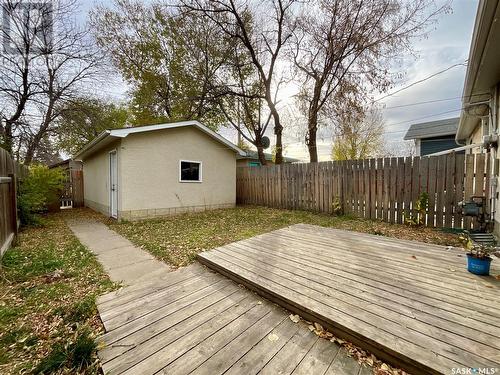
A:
(122, 260)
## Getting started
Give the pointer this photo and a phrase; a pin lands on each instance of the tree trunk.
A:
(312, 123)
(262, 157)
(35, 143)
(312, 130)
(8, 139)
(30, 152)
(278, 129)
(278, 158)
(311, 144)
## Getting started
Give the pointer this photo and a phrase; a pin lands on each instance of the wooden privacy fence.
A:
(384, 189)
(10, 171)
(72, 193)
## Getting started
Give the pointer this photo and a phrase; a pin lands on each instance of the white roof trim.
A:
(122, 133)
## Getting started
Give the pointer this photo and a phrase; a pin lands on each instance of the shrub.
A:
(419, 210)
(40, 188)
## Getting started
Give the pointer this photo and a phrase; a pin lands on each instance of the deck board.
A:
(172, 327)
(411, 303)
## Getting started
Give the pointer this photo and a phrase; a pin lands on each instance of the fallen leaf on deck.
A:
(497, 277)
(318, 327)
(414, 257)
(273, 337)
(294, 318)
(311, 328)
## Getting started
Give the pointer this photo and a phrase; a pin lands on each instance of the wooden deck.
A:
(195, 321)
(410, 303)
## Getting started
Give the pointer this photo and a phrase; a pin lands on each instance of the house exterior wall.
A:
(491, 126)
(96, 179)
(149, 182)
(476, 137)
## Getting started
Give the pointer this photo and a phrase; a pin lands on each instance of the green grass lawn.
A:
(177, 239)
(48, 316)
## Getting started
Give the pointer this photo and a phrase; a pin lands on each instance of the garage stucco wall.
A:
(149, 182)
(96, 179)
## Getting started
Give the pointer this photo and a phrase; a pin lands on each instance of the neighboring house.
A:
(157, 170)
(479, 120)
(480, 101)
(251, 159)
(433, 136)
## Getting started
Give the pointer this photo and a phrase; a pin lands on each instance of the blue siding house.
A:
(433, 136)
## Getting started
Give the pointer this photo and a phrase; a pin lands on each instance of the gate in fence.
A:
(386, 188)
(72, 193)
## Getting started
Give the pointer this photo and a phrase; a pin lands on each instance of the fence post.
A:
(13, 203)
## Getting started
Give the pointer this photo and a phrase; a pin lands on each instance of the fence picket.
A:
(450, 190)
(431, 217)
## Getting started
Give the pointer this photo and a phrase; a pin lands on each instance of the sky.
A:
(447, 44)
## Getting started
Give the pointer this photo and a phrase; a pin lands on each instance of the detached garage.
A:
(158, 170)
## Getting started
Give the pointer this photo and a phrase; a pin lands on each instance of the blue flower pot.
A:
(478, 266)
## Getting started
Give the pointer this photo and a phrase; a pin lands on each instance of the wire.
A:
(435, 100)
(422, 80)
(419, 103)
(416, 119)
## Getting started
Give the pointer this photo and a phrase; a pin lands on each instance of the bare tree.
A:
(263, 42)
(26, 25)
(48, 60)
(68, 67)
(240, 99)
(346, 45)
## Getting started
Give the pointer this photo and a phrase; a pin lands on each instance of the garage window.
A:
(190, 171)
